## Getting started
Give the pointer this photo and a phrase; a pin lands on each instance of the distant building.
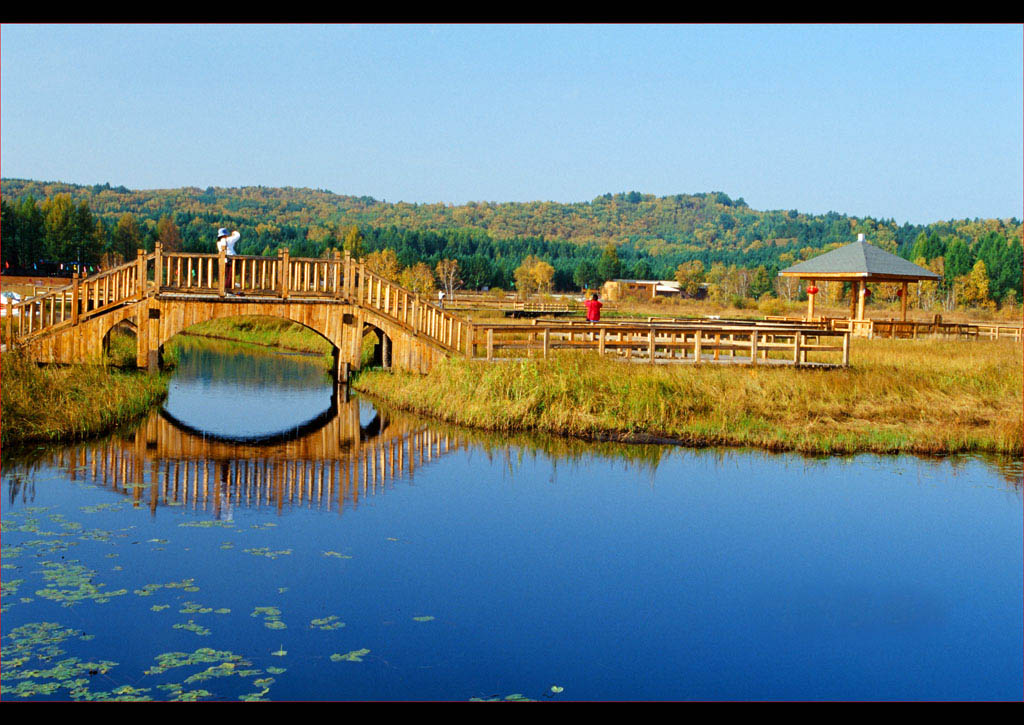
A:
(642, 289)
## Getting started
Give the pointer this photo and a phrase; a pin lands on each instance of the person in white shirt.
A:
(226, 242)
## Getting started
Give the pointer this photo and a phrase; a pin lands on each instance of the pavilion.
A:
(858, 263)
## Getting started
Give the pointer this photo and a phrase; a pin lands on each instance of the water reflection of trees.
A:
(231, 362)
(645, 458)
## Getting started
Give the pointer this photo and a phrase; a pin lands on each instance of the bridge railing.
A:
(82, 299)
(410, 310)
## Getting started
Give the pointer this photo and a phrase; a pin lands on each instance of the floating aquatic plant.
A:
(191, 626)
(264, 551)
(353, 656)
(71, 583)
(327, 623)
(271, 617)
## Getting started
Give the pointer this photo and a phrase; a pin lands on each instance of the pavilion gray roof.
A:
(860, 259)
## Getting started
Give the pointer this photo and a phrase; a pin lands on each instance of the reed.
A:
(59, 403)
(921, 396)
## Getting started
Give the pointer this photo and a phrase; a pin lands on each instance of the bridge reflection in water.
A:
(328, 464)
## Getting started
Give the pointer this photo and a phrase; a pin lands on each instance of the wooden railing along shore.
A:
(654, 342)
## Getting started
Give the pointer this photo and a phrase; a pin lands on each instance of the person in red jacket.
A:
(593, 306)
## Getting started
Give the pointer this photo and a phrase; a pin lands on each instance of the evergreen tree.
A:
(609, 265)
(127, 238)
(586, 275)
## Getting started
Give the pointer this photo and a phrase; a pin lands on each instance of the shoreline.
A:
(699, 441)
(928, 397)
(875, 407)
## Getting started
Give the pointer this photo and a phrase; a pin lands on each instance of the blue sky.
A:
(917, 123)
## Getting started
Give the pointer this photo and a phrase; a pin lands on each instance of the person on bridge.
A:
(593, 306)
(226, 242)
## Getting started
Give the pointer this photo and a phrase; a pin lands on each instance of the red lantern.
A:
(867, 293)
(899, 292)
(812, 290)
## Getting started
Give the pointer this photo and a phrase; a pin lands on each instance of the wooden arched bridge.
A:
(162, 294)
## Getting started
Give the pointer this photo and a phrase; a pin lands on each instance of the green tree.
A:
(59, 225)
(127, 237)
(586, 275)
(354, 242)
(959, 259)
(609, 265)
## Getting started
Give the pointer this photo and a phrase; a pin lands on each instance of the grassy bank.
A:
(267, 331)
(60, 403)
(920, 396)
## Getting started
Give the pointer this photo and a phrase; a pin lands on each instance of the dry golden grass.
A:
(923, 396)
(60, 402)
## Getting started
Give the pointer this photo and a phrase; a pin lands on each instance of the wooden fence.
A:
(656, 342)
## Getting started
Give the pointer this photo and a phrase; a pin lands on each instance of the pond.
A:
(266, 536)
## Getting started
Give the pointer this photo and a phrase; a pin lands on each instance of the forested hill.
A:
(652, 235)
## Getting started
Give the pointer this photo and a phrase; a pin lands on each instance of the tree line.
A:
(735, 248)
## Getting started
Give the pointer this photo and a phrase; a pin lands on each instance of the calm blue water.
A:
(494, 568)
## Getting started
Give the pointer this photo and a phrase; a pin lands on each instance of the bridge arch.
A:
(342, 325)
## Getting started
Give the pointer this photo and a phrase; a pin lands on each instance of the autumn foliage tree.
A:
(419, 279)
(384, 262)
(168, 235)
(690, 275)
(534, 275)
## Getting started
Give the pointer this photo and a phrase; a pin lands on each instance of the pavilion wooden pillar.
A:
(854, 293)
(903, 303)
(861, 296)
(810, 301)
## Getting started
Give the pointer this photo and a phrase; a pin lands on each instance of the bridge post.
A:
(158, 270)
(140, 274)
(75, 294)
(337, 276)
(152, 323)
(347, 275)
(142, 336)
(284, 263)
(341, 366)
(222, 266)
(357, 341)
